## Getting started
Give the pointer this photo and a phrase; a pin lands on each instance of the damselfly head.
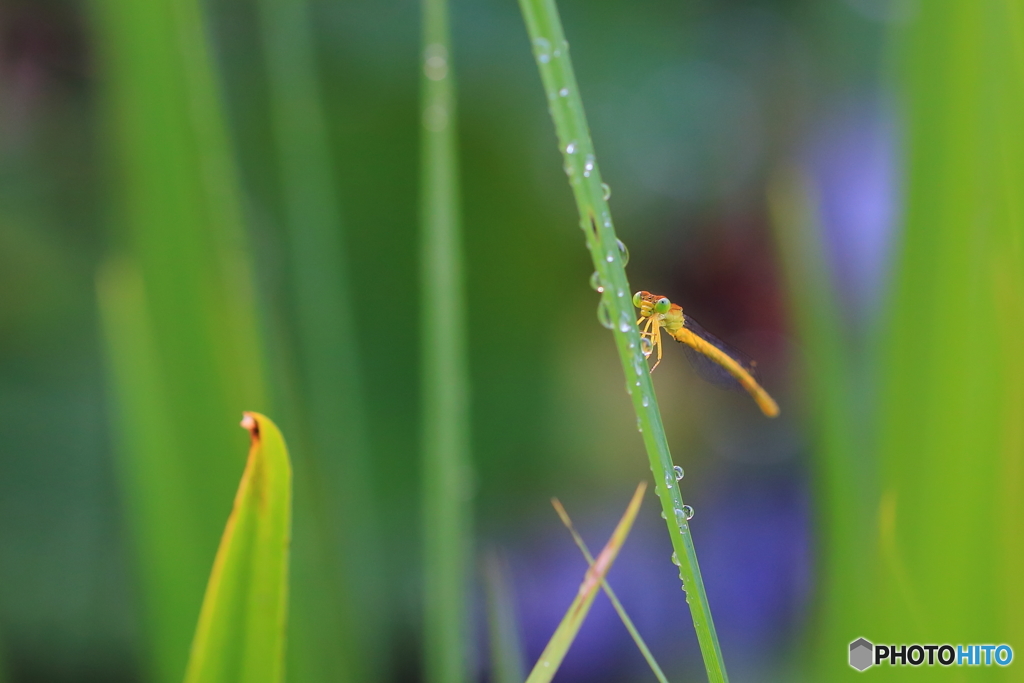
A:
(650, 304)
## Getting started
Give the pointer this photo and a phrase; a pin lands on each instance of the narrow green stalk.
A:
(616, 309)
(445, 382)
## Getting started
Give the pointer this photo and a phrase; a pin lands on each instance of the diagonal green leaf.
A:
(619, 609)
(552, 656)
(240, 636)
(551, 51)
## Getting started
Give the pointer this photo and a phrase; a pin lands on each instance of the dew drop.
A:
(621, 293)
(606, 191)
(542, 49)
(675, 559)
(625, 323)
(595, 282)
(435, 61)
(604, 315)
(645, 401)
(623, 252)
(609, 258)
(663, 515)
(588, 166)
(564, 92)
(570, 148)
(688, 512)
(646, 347)
(679, 472)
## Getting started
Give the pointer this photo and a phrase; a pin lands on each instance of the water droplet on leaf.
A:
(604, 315)
(646, 347)
(542, 50)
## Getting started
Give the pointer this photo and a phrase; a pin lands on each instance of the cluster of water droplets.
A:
(544, 54)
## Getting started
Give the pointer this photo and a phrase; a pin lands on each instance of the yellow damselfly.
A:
(713, 359)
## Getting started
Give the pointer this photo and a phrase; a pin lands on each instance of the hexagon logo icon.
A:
(861, 652)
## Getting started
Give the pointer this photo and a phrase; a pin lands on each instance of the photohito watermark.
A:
(864, 654)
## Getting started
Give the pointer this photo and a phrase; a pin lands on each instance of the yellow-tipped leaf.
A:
(241, 631)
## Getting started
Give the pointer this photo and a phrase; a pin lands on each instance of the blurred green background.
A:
(212, 208)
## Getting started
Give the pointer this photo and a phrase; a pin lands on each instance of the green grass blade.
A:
(551, 658)
(950, 434)
(178, 307)
(619, 609)
(566, 106)
(241, 631)
(502, 627)
(445, 383)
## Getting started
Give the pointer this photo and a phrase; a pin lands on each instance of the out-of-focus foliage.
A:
(920, 430)
(952, 377)
(146, 145)
(183, 342)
